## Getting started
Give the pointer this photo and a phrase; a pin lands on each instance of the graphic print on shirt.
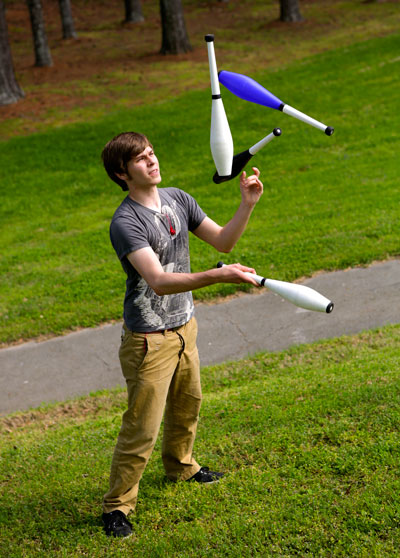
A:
(172, 250)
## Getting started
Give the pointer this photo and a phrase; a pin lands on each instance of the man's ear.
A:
(122, 176)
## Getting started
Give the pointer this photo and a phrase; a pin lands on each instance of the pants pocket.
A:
(132, 353)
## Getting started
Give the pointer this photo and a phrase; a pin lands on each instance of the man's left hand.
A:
(251, 187)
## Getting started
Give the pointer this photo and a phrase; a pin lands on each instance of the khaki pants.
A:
(162, 371)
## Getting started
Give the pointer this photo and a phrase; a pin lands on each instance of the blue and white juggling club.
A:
(248, 89)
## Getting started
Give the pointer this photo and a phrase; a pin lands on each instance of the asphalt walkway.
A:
(79, 363)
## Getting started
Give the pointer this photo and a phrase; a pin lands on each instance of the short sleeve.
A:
(194, 212)
(127, 236)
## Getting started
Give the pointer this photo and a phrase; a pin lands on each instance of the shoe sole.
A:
(205, 483)
(111, 535)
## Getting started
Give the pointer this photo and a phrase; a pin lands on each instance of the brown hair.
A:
(119, 151)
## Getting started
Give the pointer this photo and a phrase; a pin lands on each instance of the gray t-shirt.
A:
(135, 226)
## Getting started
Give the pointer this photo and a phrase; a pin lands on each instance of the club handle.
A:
(215, 89)
(287, 109)
(259, 145)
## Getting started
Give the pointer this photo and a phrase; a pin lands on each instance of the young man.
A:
(158, 352)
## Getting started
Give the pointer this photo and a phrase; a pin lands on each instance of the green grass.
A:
(329, 203)
(309, 438)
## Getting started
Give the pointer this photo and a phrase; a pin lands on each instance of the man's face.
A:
(143, 169)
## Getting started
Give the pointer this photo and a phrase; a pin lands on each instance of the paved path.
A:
(86, 361)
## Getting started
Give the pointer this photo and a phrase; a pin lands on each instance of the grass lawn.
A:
(329, 202)
(309, 438)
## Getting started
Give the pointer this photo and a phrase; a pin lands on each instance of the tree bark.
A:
(133, 11)
(174, 36)
(10, 91)
(290, 10)
(67, 19)
(42, 51)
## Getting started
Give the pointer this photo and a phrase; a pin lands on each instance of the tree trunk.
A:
(67, 19)
(10, 91)
(174, 36)
(133, 11)
(290, 10)
(42, 52)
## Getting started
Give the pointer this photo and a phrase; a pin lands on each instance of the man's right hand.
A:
(237, 273)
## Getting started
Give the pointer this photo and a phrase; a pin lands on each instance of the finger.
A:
(248, 269)
(256, 171)
(256, 180)
(254, 185)
(249, 279)
(243, 268)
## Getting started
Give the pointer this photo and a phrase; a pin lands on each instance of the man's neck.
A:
(148, 197)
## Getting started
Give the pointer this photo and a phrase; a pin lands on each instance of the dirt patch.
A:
(104, 43)
(77, 410)
(91, 70)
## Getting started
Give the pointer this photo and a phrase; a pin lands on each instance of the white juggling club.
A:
(241, 159)
(299, 295)
(221, 142)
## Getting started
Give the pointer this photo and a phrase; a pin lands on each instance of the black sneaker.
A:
(205, 476)
(116, 524)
